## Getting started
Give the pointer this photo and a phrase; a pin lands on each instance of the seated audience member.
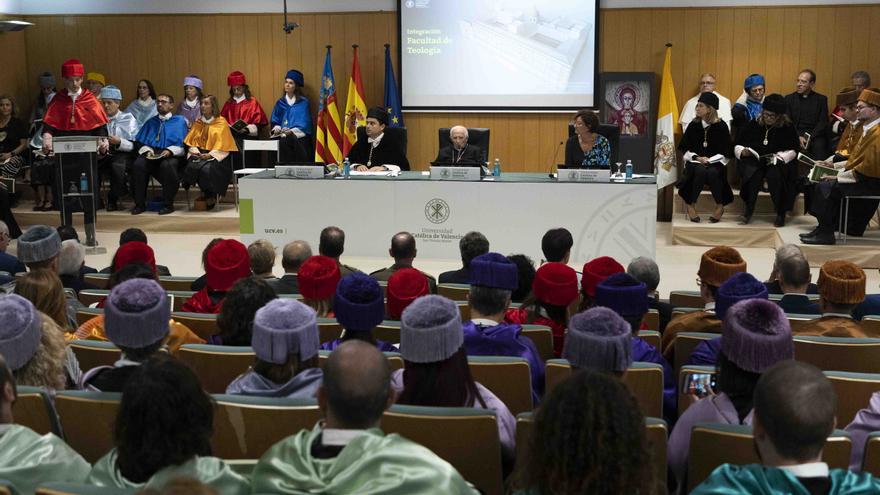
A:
(227, 262)
(793, 278)
(291, 120)
(146, 105)
(689, 111)
(236, 318)
(43, 288)
(359, 308)
(134, 252)
(860, 176)
(285, 341)
(34, 346)
(42, 169)
(589, 437)
(749, 105)
(348, 452)
(556, 245)
(553, 298)
(332, 244)
(470, 246)
(201, 282)
(403, 250)
(136, 320)
(262, 256)
(38, 248)
(859, 80)
(8, 263)
(808, 111)
(587, 148)
(595, 271)
(95, 82)
(318, 277)
(716, 266)
(782, 252)
(646, 271)
(706, 149)
(71, 260)
(493, 279)
(755, 336)
(293, 256)
(242, 106)
(435, 367)
(866, 422)
(28, 459)
(172, 441)
(841, 289)
(116, 154)
(160, 149)
(795, 406)
(404, 286)
(525, 268)
(135, 234)
(178, 333)
(766, 151)
(209, 143)
(376, 153)
(458, 151)
(14, 145)
(599, 339)
(189, 106)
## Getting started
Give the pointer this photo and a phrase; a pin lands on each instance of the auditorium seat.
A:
(245, 427)
(33, 408)
(715, 444)
(66, 488)
(85, 314)
(456, 292)
(686, 299)
(99, 280)
(202, 324)
(644, 380)
(839, 353)
(92, 296)
(87, 420)
(678, 311)
(685, 343)
(795, 320)
(871, 462)
(329, 329)
(542, 337)
(854, 391)
(216, 365)
(388, 331)
(652, 320)
(465, 437)
(477, 136)
(652, 337)
(176, 283)
(507, 377)
(394, 359)
(871, 324)
(93, 353)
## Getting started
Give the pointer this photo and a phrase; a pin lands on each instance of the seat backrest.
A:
(542, 337)
(92, 296)
(465, 437)
(871, 325)
(329, 329)
(644, 380)
(259, 144)
(839, 353)
(177, 283)
(652, 320)
(216, 365)
(556, 371)
(202, 324)
(456, 292)
(507, 377)
(854, 391)
(396, 135)
(686, 299)
(652, 337)
(87, 420)
(388, 331)
(686, 342)
(85, 314)
(477, 136)
(99, 280)
(464, 310)
(179, 298)
(93, 353)
(33, 408)
(610, 132)
(796, 320)
(871, 462)
(715, 444)
(245, 427)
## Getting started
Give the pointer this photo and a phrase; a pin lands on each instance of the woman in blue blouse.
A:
(587, 148)
(291, 120)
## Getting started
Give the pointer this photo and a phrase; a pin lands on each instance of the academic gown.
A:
(303, 385)
(297, 116)
(521, 316)
(161, 134)
(866, 422)
(756, 479)
(215, 138)
(471, 155)
(781, 179)
(211, 471)
(28, 459)
(708, 142)
(505, 339)
(205, 301)
(248, 110)
(384, 153)
(833, 326)
(646, 353)
(142, 112)
(64, 115)
(380, 344)
(371, 464)
(697, 321)
(706, 353)
(178, 333)
(190, 113)
(849, 139)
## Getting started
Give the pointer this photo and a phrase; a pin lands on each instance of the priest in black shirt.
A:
(459, 152)
(767, 148)
(377, 152)
(808, 111)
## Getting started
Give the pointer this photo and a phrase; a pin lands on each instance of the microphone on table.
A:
(555, 153)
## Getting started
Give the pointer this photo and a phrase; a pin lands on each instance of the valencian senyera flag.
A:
(328, 140)
(667, 126)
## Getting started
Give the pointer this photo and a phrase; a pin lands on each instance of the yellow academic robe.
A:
(849, 139)
(832, 326)
(697, 321)
(213, 136)
(865, 158)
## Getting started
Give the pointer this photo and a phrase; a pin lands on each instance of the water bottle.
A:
(496, 168)
(629, 169)
(83, 183)
(346, 168)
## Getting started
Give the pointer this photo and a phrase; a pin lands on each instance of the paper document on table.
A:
(380, 173)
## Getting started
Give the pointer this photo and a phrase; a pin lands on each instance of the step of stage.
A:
(764, 205)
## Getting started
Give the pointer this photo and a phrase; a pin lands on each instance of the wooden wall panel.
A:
(731, 42)
(13, 73)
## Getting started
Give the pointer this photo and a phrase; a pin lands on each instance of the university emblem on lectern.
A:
(437, 211)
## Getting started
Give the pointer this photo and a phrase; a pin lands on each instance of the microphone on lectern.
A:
(555, 154)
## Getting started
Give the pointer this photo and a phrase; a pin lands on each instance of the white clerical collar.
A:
(705, 124)
(868, 127)
(290, 100)
(166, 116)
(485, 322)
(75, 94)
(808, 470)
(239, 99)
(191, 103)
(145, 103)
(836, 315)
(339, 438)
(375, 141)
(207, 121)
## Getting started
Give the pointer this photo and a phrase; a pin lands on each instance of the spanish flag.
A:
(328, 142)
(665, 167)
(355, 107)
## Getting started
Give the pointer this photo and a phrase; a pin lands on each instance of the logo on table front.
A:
(444, 173)
(437, 211)
(572, 175)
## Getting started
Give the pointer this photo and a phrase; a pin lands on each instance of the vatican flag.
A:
(665, 167)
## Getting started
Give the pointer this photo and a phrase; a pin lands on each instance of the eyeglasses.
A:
(706, 83)
(163, 101)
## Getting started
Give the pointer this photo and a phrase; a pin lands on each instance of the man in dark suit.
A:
(793, 277)
(292, 257)
(332, 245)
(783, 252)
(646, 271)
(809, 113)
(471, 245)
(460, 152)
(377, 151)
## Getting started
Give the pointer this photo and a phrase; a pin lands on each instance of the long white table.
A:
(513, 211)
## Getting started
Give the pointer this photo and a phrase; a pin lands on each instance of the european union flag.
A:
(392, 97)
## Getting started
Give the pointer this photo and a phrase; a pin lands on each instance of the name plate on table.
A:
(299, 172)
(455, 173)
(75, 144)
(583, 175)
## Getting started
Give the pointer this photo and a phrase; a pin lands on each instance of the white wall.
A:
(10, 6)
